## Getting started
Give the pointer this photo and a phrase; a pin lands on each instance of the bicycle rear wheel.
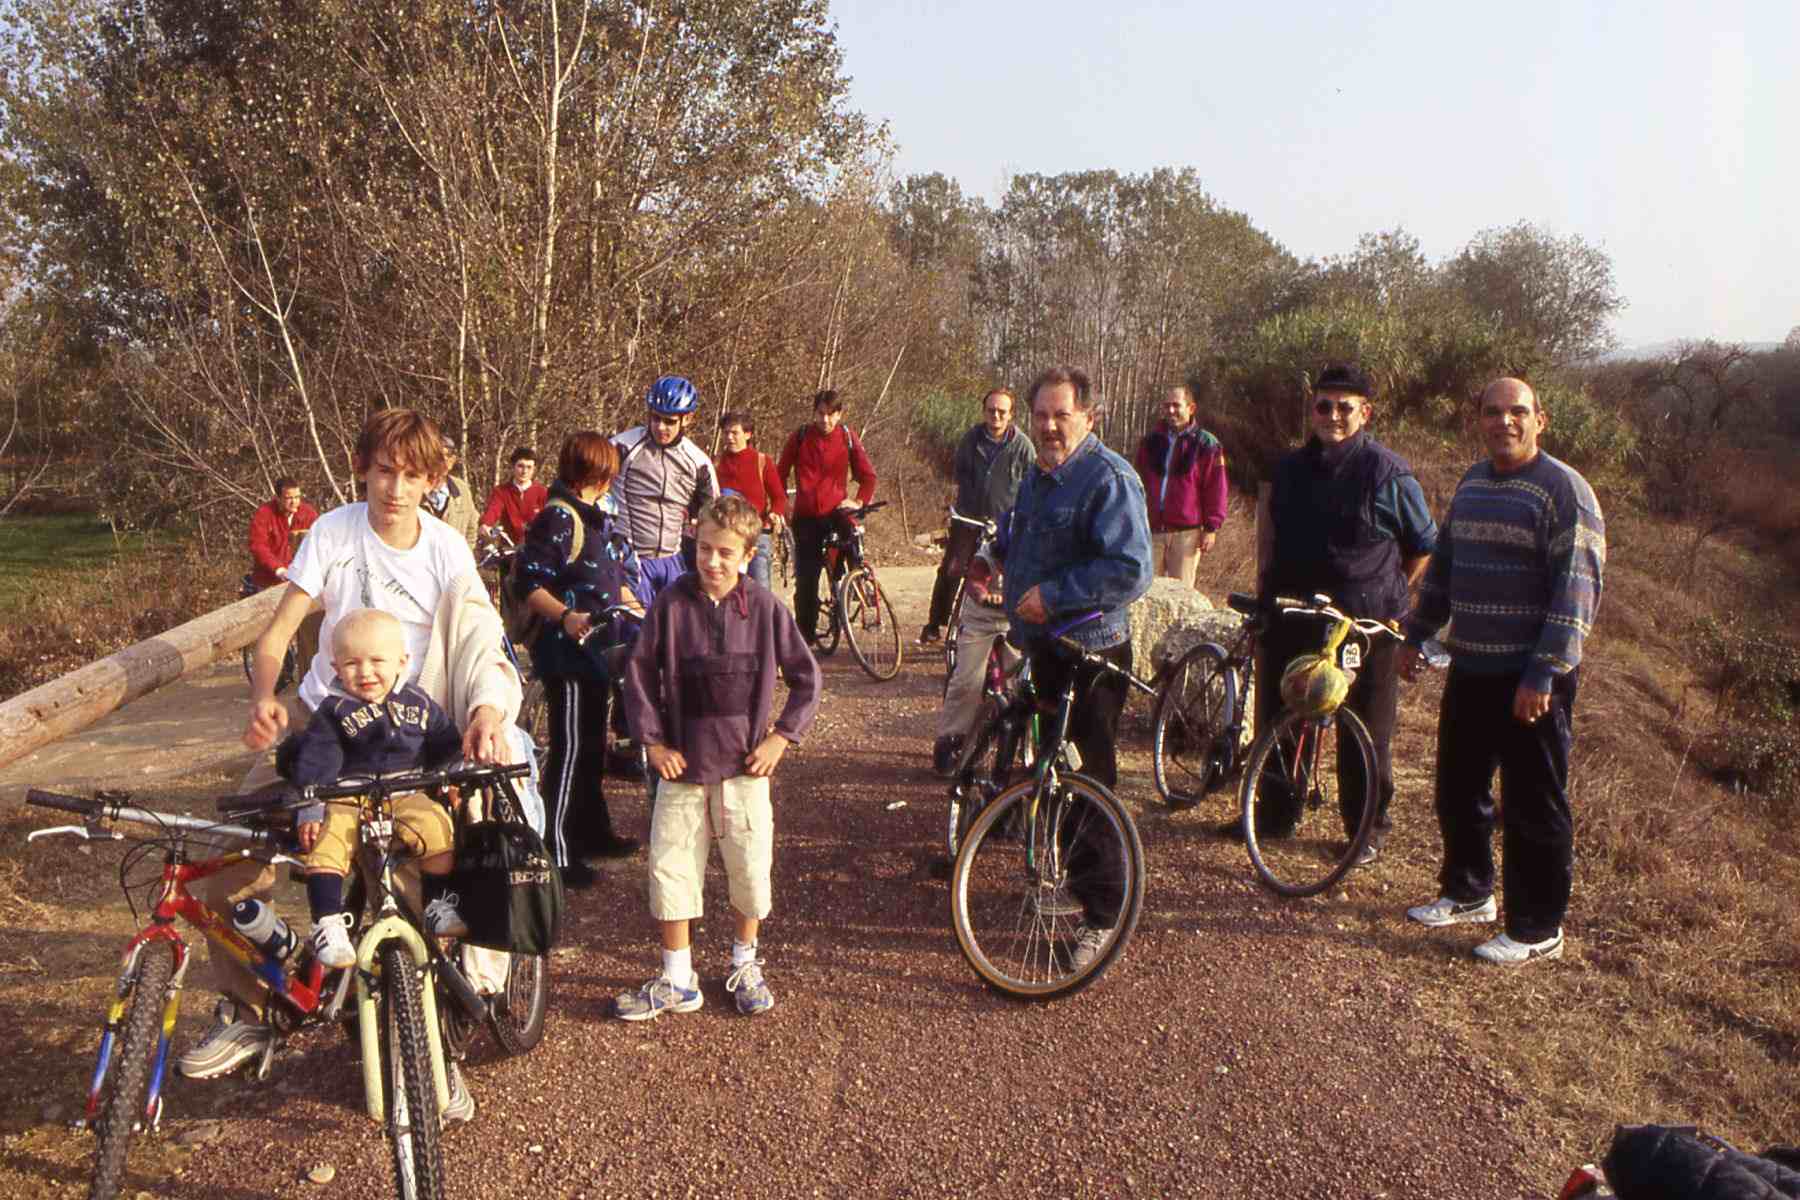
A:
(1292, 794)
(518, 1011)
(1195, 716)
(138, 1056)
(1046, 892)
(534, 719)
(870, 625)
(284, 678)
(412, 1107)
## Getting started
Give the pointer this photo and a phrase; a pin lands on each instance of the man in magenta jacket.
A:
(1183, 469)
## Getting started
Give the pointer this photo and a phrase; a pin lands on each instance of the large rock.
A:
(1171, 618)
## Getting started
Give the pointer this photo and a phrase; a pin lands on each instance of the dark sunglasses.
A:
(659, 419)
(1344, 407)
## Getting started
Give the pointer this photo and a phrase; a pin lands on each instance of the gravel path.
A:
(1242, 1046)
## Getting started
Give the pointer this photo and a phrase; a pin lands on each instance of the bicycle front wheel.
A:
(1047, 889)
(870, 625)
(412, 1096)
(1195, 714)
(125, 1106)
(518, 1011)
(1294, 796)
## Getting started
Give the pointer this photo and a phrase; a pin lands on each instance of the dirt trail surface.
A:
(1243, 1046)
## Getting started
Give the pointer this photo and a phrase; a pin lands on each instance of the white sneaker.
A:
(331, 941)
(1445, 911)
(229, 1042)
(444, 919)
(1088, 943)
(462, 1101)
(1506, 952)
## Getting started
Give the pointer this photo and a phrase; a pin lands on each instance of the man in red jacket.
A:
(514, 503)
(275, 530)
(817, 457)
(1183, 469)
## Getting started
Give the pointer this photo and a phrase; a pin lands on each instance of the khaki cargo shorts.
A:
(688, 819)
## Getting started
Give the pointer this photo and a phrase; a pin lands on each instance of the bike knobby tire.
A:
(869, 624)
(412, 1107)
(122, 1107)
(1298, 846)
(1027, 886)
(1189, 756)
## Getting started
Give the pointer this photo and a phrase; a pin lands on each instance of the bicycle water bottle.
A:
(264, 929)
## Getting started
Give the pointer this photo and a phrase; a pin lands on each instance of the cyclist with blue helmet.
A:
(664, 478)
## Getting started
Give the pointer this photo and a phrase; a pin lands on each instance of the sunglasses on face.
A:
(659, 419)
(1344, 408)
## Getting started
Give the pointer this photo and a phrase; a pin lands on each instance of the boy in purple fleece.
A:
(700, 697)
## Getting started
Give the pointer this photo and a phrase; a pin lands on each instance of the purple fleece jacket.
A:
(701, 676)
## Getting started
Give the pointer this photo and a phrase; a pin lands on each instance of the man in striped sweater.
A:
(1516, 572)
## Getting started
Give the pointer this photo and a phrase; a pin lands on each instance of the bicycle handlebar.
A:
(118, 810)
(981, 523)
(403, 781)
(79, 805)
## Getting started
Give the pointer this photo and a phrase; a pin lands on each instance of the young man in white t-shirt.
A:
(382, 554)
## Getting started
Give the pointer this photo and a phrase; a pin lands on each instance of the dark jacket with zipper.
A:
(587, 584)
(1327, 535)
(701, 677)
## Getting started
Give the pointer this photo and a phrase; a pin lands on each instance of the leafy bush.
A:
(939, 421)
(1590, 436)
(1756, 674)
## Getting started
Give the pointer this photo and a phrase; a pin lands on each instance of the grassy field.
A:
(38, 554)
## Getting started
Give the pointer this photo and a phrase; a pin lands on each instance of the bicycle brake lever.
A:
(87, 833)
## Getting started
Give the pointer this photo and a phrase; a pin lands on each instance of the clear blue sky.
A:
(1666, 133)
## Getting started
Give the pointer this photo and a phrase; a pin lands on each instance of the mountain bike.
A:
(1001, 748)
(408, 983)
(1049, 877)
(125, 1093)
(857, 606)
(1294, 814)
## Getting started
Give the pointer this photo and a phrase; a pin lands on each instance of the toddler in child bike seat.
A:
(367, 726)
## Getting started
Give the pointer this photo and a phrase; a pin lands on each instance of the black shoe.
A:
(1368, 855)
(944, 755)
(931, 635)
(578, 875)
(614, 846)
(1234, 829)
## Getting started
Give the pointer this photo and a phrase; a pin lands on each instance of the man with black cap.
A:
(1344, 516)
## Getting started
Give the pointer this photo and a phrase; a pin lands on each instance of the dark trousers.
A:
(575, 815)
(959, 548)
(1375, 697)
(1095, 877)
(1477, 732)
(809, 560)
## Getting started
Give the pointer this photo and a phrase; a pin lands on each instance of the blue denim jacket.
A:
(1081, 533)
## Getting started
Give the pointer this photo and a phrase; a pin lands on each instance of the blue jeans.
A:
(760, 560)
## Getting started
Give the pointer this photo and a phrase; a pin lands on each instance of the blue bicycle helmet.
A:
(672, 396)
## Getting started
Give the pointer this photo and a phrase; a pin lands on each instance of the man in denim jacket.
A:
(1076, 541)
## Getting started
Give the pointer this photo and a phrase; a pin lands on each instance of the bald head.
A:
(1508, 391)
(1510, 419)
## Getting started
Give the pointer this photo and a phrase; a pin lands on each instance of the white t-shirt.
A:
(343, 562)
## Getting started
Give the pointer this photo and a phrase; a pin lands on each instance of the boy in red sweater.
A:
(818, 456)
(751, 474)
(515, 503)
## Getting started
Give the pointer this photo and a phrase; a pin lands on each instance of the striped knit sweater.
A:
(1516, 572)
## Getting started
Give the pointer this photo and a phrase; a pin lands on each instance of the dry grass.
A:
(1680, 999)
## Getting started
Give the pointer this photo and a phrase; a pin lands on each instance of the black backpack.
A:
(510, 892)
